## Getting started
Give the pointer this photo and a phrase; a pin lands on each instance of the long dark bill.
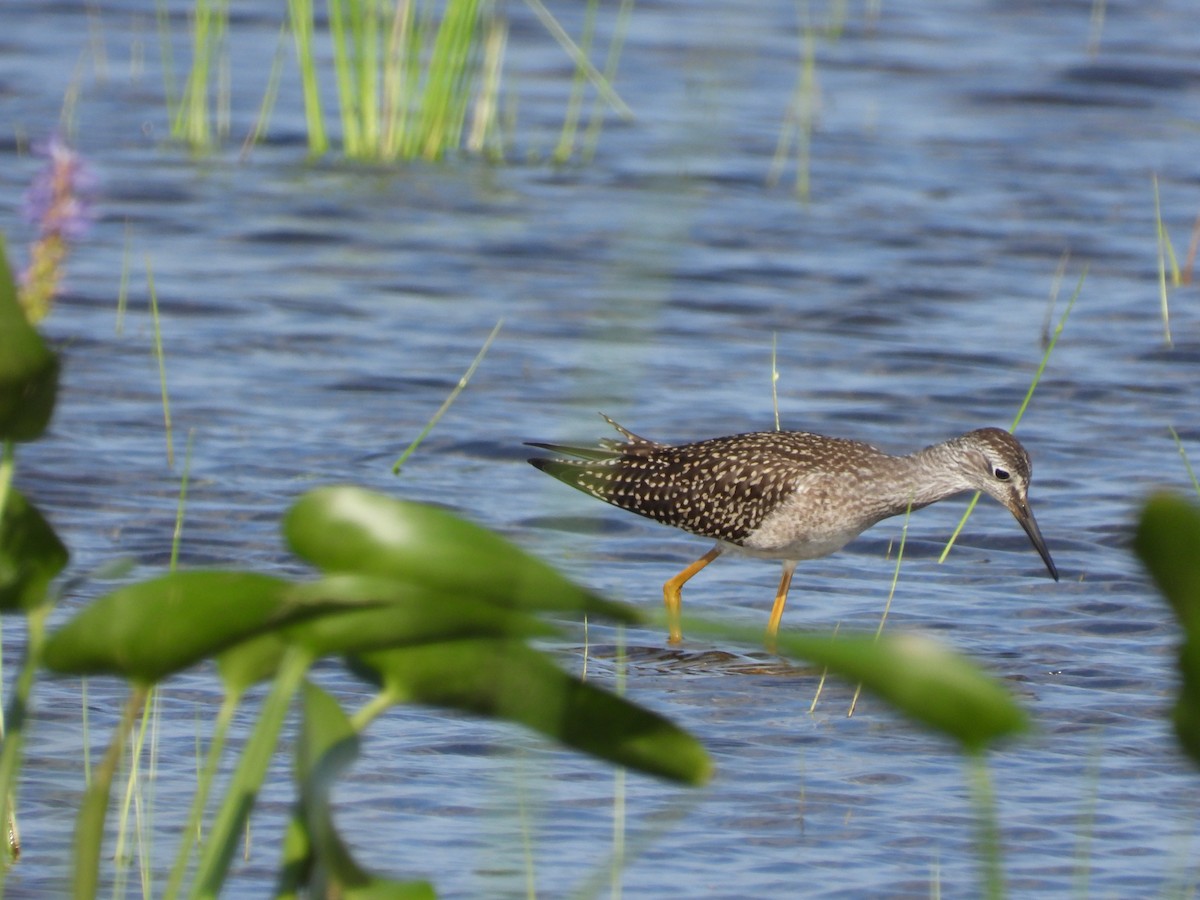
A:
(1024, 515)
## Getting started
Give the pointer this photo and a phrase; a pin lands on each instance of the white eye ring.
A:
(1001, 474)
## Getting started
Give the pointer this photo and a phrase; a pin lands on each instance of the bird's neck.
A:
(927, 476)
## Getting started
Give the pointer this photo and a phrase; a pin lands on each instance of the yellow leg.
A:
(780, 599)
(672, 598)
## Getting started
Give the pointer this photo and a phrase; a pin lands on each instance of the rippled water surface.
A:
(315, 315)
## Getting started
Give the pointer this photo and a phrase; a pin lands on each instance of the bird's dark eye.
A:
(1001, 474)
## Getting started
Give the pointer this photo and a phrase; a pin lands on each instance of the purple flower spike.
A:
(58, 205)
(57, 201)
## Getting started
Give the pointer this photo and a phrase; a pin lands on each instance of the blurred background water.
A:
(315, 314)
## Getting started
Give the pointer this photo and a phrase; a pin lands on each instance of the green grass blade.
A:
(1037, 377)
(300, 15)
(450, 398)
(247, 778)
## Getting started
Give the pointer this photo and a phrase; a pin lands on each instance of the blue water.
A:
(315, 315)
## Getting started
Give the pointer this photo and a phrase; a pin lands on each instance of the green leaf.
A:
(921, 678)
(28, 369)
(1168, 541)
(396, 613)
(251, 661)
(389, 613)
(149, 630)
(508, 680)
(30, 555)
(348, 529)
(327, 746)
(1186, 714)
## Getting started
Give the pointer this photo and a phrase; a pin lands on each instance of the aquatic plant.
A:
(1168, 542)
(419, 604)
(411, 82)
(58, 205)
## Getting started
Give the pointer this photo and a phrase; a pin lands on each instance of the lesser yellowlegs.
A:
(788, 495)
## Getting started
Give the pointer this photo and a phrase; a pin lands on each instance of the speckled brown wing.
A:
(720, 488)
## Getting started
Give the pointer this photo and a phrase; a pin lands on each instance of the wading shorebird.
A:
(788, 495)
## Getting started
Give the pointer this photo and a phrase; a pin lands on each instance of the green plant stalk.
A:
(132, 791)
(618, 825)
(162, 22)
(395, 81)
(1178, 445)
(887, 607)
(222, 842)
(268, 101)
(483, 122)
(209, 24)
(592, 136)
(162, 364)
(602, 85)
(443, 104)
(367, 71)
(145, 806)
(991, 852)
(123, 288)
(181, 506)
(12, 747)
(566, 139)
(1164, 246)
(300, 15)
(89, 824)
(775, 376)
(1037, 376)
(190, 836)
(450, 398)
(351, 141)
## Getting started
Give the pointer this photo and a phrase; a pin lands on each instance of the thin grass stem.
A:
(566, 138)
(775, 376)
(162, 364)
(270, 95)
(1164, 245)
(601, 83)
(300, 16)
(592, 137)
(887, 607)
(1186, 462)
(450, 398)
(89, 824)
(191, 835)
(984, 800)
(229, 824)
(1037, 377)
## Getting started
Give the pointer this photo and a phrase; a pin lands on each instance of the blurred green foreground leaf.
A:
(1168, 542)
